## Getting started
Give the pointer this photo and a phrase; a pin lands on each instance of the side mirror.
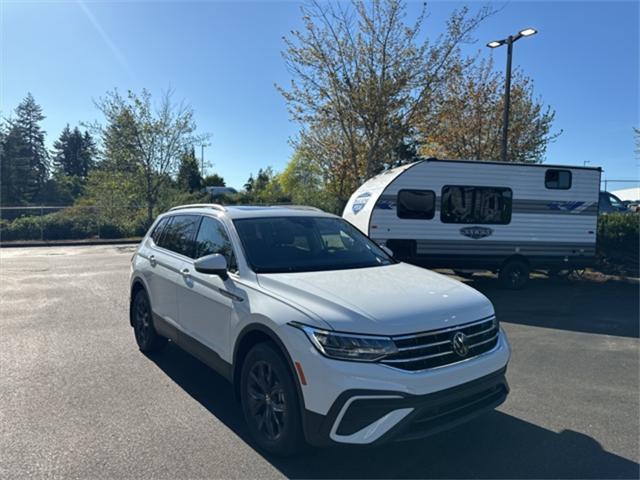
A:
(387, 250)
(214, 264)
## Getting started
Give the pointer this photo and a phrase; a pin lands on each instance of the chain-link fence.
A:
(48, 222)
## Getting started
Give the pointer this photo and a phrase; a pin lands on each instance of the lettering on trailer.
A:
(476, 232)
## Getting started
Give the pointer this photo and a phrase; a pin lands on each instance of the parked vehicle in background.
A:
(505, 217)
(219, 191)
(325, 337)
(609, 203)
(633, 206)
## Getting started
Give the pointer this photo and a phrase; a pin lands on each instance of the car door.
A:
(166, 259)
(205, 302)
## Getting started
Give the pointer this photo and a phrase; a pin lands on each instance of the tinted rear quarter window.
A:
(179, 235)
(157, 231)
(557, 179)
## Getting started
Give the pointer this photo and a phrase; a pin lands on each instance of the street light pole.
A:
(507, 83)
(507, 99)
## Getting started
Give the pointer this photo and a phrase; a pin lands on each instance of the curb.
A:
(70, 243)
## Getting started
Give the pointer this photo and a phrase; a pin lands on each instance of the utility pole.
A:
(202, 160)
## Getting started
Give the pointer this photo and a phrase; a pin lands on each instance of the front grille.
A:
(432, 349)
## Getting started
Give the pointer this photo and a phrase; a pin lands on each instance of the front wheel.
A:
(270, 401)
(514, 274)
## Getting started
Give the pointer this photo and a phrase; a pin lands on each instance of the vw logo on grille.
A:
(459, 343)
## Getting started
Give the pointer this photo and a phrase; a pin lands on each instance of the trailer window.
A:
(557, 179)
(417, 204)
(484, 205)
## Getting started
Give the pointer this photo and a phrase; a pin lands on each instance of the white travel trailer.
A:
(505, 217)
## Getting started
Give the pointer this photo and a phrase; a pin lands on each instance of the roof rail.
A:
(277, 205)
(297, 207)
(215, 206)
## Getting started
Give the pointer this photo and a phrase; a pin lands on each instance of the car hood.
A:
(386, 300)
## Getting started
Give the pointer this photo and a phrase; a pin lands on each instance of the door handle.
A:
(152, 260)
(185, 272)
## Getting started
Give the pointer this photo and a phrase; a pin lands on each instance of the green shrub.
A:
(619, 240)
(23, 228)
(75, 223)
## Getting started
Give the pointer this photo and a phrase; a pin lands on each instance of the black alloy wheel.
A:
(147, 338)
(270, 401)
(266, 400)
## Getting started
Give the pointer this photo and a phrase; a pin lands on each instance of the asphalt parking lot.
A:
(77, 399)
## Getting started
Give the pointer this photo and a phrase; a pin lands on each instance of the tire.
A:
(147, 338)
(270, 402)
(514, 274)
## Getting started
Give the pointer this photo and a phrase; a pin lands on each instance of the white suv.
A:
(325, 337)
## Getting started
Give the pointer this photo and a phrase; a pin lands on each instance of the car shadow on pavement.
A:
(495, 445)
(609, 307)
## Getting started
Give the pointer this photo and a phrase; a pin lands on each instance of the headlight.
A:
(347, 346)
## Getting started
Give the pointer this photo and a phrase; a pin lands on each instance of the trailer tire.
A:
(514, 274)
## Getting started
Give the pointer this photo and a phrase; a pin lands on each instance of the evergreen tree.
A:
(89, 154)
(24, 159)
(18, 184)
(250, 183)
(189, 178)
(74, 153)
(121, 152)
(28, 118)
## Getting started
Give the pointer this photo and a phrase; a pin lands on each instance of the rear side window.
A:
(212, 238)
(482, 205)
(557, 179)
(416, 204)
(179, 235)
(157, 231)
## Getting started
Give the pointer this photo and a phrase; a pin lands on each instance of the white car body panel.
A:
(396, 299)
(388, 300)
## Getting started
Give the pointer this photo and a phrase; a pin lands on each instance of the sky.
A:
(223, 58)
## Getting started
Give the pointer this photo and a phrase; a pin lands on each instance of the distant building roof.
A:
(629, 194)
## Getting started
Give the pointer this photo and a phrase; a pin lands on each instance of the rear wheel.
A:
(514, 274)
(147, 338)
(270, 401)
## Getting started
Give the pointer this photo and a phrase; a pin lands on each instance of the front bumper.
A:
(365, 403)
(374, 417)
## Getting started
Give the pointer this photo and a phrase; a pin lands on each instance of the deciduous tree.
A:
(155, 137)
(361, 77)
(467, 122)
(213, 180)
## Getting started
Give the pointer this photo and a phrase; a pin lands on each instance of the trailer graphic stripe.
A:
(519, 206)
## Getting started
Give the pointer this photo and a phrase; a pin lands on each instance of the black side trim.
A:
(193, 347)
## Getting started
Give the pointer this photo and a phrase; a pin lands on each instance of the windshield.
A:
(306, 244)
